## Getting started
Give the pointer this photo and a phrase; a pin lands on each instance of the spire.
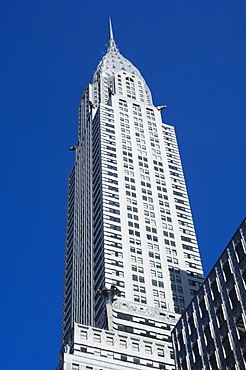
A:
(111, 44)
(111, 35)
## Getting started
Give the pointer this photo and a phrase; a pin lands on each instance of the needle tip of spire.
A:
(111, 35)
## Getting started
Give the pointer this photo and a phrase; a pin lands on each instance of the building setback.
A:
(132, 263)
(211, 334)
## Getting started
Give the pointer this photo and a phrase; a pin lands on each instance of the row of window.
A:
(223, 303)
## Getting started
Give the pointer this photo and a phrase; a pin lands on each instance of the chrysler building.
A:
(132, 263)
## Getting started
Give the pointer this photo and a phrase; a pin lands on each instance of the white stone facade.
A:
(129, 223)
(104, 349)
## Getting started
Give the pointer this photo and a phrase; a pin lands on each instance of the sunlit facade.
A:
(132, 263)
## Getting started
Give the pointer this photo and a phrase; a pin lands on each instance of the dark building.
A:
(211, 334)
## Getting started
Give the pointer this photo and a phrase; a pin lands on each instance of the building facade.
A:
(132, 263)
(212, 332)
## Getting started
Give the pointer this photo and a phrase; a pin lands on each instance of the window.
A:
(244, 276)
(123, 357)
(207, 333)
(214, 288)
(227, 271)
(110, 354)
(213, 362)
(239, 251)
(148, 349)
(191, 324)
(135, 346)
(195, 350)
(136, 360)
(75, 367)
(220, 316)
(110, 340)
(226, 346)
(149, 363)
(156, 303)
(136, 298)
(122, 343)
(160, 351)
(142, 289)
(155, 293)
(143, 300)
(180, 340)
(203, 308)
(184, 364)
(233, 297)
(97, 352)
(240, 327)
(83, 334)
(162, 294)
(97, 338)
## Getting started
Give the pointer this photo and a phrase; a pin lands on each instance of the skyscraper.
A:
(211, 334)
(132, 263)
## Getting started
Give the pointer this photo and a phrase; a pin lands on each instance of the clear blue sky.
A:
(192, 54)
